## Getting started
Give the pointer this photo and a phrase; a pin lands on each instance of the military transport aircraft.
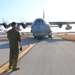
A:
(40, 28)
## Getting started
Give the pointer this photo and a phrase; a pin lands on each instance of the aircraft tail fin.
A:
(43, 15)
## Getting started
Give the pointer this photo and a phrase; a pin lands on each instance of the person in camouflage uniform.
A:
(14, 39)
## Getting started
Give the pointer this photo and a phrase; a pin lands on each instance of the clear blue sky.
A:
(28, 10)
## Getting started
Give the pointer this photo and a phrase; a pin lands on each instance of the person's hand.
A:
(20, 48)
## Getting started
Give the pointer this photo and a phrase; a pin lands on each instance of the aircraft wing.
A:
(24, 25)
(59, 24)
(4, 24)
(56, 23)
(52, 24)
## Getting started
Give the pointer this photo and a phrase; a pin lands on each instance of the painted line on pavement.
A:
(5, 66)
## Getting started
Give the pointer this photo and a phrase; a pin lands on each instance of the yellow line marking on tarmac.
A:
(5, 67)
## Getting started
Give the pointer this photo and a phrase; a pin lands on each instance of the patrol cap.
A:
(13, 24)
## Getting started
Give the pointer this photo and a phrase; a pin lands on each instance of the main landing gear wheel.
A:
(50, 36)
(35, 37)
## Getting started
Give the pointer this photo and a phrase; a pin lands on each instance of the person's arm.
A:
(20, 42)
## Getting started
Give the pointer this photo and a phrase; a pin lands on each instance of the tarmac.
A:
(48, 57)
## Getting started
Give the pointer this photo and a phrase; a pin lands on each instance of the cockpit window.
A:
(39, 21)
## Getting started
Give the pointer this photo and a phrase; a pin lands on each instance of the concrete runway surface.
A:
(49, 57)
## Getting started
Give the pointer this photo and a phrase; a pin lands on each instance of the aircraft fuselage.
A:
(40, 28)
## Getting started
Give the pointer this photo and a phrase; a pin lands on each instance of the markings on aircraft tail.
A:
(5, 66)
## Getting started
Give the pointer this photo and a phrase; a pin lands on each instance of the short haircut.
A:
(13, 23)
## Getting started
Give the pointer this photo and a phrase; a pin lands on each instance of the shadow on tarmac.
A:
(4, 46)
(25, 42)
(8, 73)
(3, 40)
(53, 40)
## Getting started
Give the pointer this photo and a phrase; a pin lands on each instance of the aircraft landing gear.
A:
(50, 36)
(34, 36)
(39, 37)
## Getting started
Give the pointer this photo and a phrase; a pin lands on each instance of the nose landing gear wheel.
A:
(39, 37)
